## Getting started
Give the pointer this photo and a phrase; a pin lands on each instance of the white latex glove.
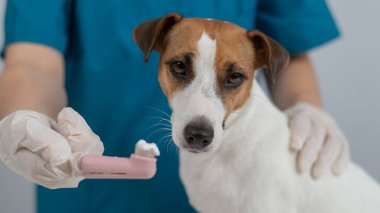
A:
(321, 145)
(44, 151)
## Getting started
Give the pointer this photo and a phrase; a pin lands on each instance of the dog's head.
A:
(206, 70)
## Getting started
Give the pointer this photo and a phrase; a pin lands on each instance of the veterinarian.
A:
(81, 54)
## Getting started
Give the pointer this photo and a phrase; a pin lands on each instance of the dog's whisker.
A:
(169, 143)
(163, 139)
(158, 110)
(176, 150)
(159, 130)
(161, 119)
(157, 124)
(168, 140)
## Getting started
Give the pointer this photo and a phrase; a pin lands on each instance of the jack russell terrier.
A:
(233, 141)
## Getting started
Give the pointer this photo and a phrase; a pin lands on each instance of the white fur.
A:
(249, 167)
(253, 170)
(199, 98)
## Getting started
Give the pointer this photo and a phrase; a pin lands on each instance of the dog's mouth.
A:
(194, 150)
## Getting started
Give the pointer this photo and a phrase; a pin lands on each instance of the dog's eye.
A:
(178, 68)
(234, 80)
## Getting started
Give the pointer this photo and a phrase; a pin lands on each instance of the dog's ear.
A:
(151, 34)
(268, 54)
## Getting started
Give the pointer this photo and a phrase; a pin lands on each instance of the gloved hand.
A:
(44, 151)
(321, 145)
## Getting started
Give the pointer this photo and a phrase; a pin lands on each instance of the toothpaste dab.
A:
(145, 149)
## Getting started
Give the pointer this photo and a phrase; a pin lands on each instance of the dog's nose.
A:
(198, 135)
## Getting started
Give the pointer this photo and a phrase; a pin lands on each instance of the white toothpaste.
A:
(145, 149)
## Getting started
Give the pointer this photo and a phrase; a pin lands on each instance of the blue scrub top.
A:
(109, 84)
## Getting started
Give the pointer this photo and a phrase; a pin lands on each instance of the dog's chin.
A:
(196, 151)
(206, 150)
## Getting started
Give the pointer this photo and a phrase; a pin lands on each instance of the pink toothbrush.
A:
(140, 165)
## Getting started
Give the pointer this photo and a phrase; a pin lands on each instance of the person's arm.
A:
(50, 141)
(321, 146)
(32, 79)
(297, 83)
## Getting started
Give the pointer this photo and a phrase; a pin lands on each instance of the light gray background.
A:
(349, 74)
(16, 194)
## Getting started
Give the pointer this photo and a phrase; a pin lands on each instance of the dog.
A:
(234, 154)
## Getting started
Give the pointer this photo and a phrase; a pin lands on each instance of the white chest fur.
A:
(253, 170)
(228, 179)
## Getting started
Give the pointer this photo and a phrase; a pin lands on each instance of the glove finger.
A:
(343, 159)
(300, 128)
(78, 133)
(311, 148)
(327, 156)
(36, 168)
(69, 183)
(44, 141)
(45, 174)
